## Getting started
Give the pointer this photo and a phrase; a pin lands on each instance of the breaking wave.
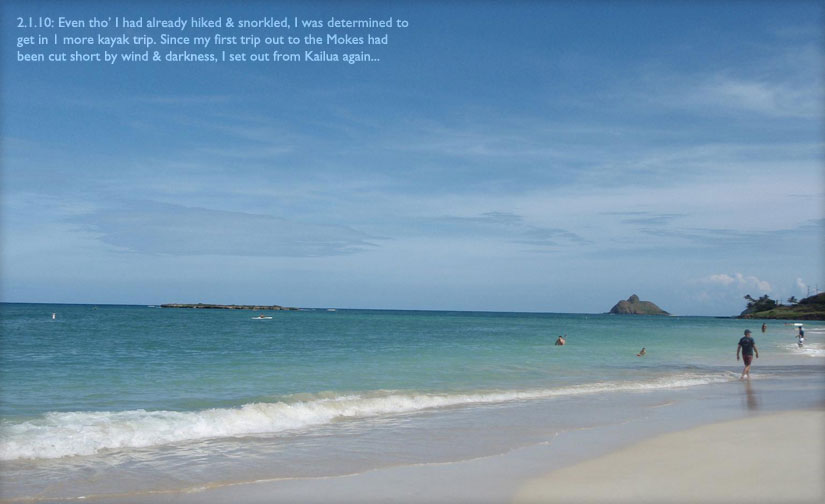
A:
(62, 434)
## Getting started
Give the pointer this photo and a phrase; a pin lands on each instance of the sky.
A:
(523, 156)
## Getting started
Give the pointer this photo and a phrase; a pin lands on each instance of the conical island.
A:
(633, 306)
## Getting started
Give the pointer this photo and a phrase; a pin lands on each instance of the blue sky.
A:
(533, 156)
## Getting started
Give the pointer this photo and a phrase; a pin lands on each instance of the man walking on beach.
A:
(747, 346)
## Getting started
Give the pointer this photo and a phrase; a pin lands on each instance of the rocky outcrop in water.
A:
(634, 306)
(225, 307)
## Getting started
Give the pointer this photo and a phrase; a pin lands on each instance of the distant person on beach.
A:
(801, 336)
(642, 352)
(560, 341)
(764, 327)
(748, 347)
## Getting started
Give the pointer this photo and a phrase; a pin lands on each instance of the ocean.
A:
(129, 400)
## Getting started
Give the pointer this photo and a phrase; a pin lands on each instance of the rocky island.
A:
(633, 306)
(226, 307)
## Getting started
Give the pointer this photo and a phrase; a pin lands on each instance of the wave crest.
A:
(60, 434)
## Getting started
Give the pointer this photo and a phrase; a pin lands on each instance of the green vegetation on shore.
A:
(810, 308)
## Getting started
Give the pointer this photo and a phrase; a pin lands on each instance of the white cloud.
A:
(741, 281)
(762, 285)
(803, 287)
(723, 279)
(782, 80)
(158, 228)
(768, 98)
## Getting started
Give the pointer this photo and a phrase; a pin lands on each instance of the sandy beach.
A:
(775, 458)
(778, 457)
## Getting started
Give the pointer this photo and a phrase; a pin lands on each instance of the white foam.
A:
(813, 350)
(86, 433)
(808, 349)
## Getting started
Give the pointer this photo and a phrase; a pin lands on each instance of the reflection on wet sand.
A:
(751, 396)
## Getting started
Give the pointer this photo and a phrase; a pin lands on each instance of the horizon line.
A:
(312, 308)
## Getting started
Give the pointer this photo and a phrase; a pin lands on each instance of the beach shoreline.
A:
(754, 459)
(664, 456)
(361, 406)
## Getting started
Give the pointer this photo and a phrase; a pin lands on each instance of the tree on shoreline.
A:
(764, 303)
(809, 308)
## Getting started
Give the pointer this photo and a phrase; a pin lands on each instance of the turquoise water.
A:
(143, 383)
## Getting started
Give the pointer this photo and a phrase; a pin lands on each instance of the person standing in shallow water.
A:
(748, 347)
(764, 327)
